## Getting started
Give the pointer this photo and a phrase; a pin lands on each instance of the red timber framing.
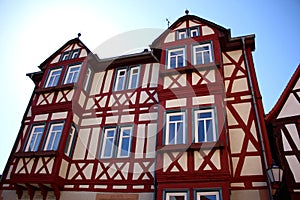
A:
(33, 172)
(227, 163)
(284, 130)
(117, 121)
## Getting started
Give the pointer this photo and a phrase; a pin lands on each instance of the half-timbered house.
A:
(183, 120)
(283, 121)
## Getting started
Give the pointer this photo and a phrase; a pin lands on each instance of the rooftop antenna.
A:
(78, 35)
(187, 11)
(168, 22)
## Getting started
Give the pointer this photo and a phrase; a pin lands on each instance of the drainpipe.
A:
(260, 137)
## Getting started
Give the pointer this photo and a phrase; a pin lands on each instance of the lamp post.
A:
(274, 174)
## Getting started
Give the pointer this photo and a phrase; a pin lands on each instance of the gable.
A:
(288, 105)
(72, 46)
(188, 22)
(291, 107)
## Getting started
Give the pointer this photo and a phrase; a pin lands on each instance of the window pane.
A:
(204, 115)
(201, 131)
(209, 131)
(171, 134)
(177, 198)
(176, 118)
(108, 147)
(207, 57)
(125, 147)
(180, 133)
(180, 61)
(208, 197)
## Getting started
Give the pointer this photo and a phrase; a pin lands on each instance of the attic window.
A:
(75, 53)
(188, 33)
(181, 34)
(70, 55)
(65, 56)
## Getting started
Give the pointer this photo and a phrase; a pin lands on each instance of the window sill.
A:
(56, 88)
(36, 154)
(190, 68)
(191, 147)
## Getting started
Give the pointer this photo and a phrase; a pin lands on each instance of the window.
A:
(35, 138)
(70, 55)
(53, 137)
(181, 34)
(211, 195)
(176, 58)
(53, 77)
(116, 142)
(188, 33)
(65, 56)
(176, 196)
(194, 32)
(70, 141)
(205, 126)
(202, 54)
(124, 142)
(75, 53)
(72, 74)
(120, 79)
(134, 77)
(108, 142)
(127, 78)
(87, 79)
(175, 128)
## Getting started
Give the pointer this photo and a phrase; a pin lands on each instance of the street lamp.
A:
(274, 174)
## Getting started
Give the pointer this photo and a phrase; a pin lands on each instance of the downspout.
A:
(260, 137)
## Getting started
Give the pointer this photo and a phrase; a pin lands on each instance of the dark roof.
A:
(283, 97)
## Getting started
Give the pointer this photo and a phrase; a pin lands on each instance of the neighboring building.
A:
(284, 126)
(181, 121)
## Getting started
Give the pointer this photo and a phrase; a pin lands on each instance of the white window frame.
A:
(104, 143)
(75, 53)
(121, 140)
(202, 53)
(215, 193)
(172, 194)
(182, 34)
(167, 133)
(37, 139)
(117, 80)
(170, 51)
(57, 136)
(56, 78)
(131, 74)
(212, 118)
(194, 29)
(74, 74)
(65, 55)
(70, 140)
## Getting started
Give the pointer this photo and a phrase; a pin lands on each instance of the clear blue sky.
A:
(31, 30)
